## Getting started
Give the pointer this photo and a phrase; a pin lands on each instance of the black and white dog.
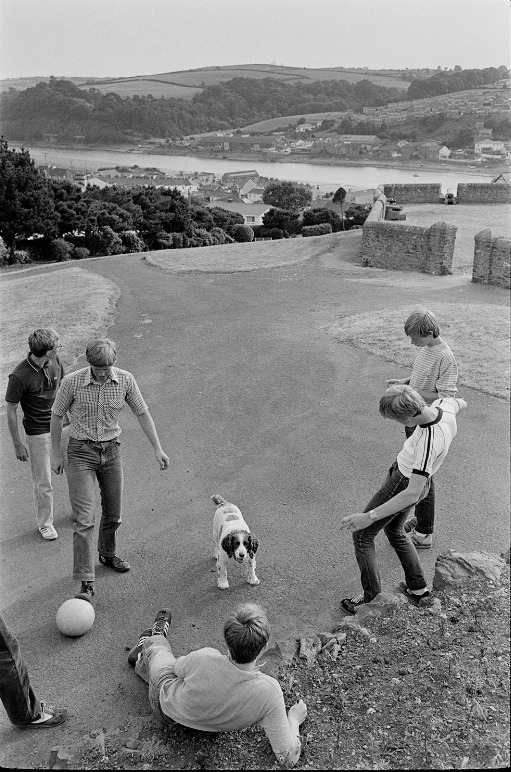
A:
(232, 539)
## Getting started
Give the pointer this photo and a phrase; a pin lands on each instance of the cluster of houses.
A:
(351, 146)
(237, 191)
(486, 100)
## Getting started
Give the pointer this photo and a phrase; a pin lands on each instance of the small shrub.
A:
(243, 233)
(219, 236)
(317, 230)
(132, 242)
(80, 253)
(61, 250)
(276, 233)
(20, 256)
(4, 252)
(104, 241)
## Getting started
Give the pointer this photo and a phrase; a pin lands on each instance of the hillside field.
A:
(183, 84)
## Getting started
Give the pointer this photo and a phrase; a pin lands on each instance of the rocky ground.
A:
(395, 687)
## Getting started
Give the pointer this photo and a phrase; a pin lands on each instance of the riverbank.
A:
(462, 167)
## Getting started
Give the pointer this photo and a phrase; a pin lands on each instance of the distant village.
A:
(237, 191)
(306, 136)
(242, 191)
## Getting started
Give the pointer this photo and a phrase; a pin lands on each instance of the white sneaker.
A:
(48, 532)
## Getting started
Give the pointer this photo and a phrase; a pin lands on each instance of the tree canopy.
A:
(26, 201)
(287, 195)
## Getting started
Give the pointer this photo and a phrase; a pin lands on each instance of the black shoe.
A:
(86, 592)
(136, 650)
(350, 605)
(415, 600)
(162, 622)
(410, 524)
(118, 564)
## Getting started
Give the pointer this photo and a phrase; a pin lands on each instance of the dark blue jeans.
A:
(425, 509)
(401, 542)
(16, 693)
(89, 462)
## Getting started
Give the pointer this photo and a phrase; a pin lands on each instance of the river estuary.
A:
(326, 177)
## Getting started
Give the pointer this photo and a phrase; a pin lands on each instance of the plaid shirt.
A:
(93, 407)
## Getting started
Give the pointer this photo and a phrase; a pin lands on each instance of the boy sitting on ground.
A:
(434, 374)
(214, 692)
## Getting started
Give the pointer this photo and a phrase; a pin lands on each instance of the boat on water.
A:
(416, 174)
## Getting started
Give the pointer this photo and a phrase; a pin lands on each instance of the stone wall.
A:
(483, 193)
(412, 193)
(409, 247)
(491, 259)
(377, 212)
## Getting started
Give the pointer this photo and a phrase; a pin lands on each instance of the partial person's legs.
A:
(110, 477)
(39, 448)
(83, 462)
(155, 666)
(363, 540)
(425, 511)
(18, 697)
(406, 552)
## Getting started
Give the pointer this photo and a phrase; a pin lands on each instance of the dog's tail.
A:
(218, 500)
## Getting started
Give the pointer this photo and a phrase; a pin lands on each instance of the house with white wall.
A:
(252, 213)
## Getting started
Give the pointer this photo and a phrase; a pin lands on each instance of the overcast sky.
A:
(134, 37)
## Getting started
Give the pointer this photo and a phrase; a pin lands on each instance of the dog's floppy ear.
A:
(227, 545)
(253, 544)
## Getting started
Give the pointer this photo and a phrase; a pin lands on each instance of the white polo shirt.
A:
(425, 450)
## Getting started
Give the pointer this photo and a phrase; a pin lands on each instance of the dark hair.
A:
(246, 632)
(42, 340)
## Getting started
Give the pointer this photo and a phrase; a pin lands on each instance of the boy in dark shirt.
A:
(33, 384)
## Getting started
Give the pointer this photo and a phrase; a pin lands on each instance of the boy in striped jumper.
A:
(406, 484)
(434, 374)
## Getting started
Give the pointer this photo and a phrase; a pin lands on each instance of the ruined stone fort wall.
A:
(492, 257)
(409, 247)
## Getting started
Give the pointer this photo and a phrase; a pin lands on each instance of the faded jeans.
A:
(363, 540)
(425, 509)
(87, 462)
(155, 666)
(16, 693)
(39, 451)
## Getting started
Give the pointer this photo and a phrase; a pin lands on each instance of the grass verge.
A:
(477, 334)
(75, 302)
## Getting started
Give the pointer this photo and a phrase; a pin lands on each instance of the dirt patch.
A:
(415, 689)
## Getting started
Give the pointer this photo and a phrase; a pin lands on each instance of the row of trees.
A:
(61, 108)
(461, 80)
(70, 222)
(43, 219)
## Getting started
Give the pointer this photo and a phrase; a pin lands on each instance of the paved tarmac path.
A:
(252, 400)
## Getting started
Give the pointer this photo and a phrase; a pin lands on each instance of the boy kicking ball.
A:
(407, 483)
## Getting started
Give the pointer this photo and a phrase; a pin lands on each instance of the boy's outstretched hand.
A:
(298, 711)
(355, 522)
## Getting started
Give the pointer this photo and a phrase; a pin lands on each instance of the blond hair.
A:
(401, 401)
(101, 352)
(422, 322)
(246, 632)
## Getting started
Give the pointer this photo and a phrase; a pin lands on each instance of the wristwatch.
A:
(372, 514)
